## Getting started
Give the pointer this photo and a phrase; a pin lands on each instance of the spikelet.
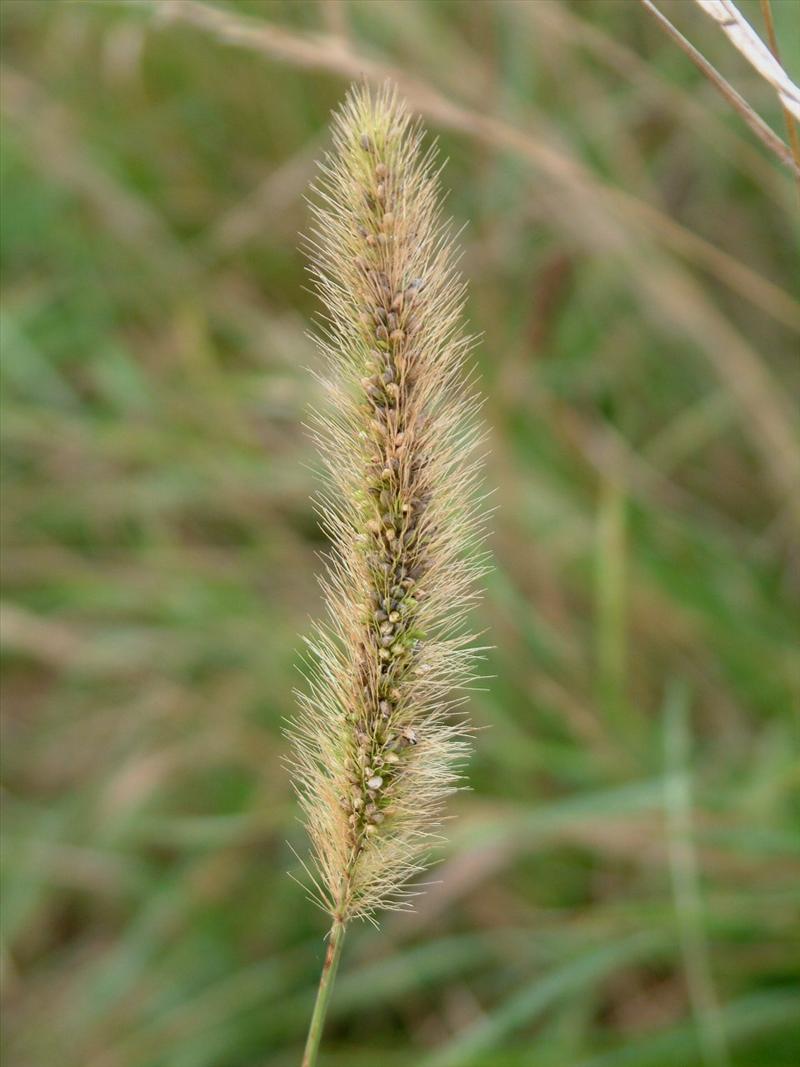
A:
(376, 742)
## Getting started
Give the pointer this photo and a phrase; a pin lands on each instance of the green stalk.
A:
(323, 994)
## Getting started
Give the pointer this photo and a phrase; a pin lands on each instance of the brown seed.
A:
(387, 222)
(382, 333)
(380, 171)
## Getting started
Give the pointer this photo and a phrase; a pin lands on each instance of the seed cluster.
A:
(376, 743)
(395, 550)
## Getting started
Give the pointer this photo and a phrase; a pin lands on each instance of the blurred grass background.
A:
(622, 884)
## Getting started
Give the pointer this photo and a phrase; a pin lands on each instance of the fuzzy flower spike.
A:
(376, 741)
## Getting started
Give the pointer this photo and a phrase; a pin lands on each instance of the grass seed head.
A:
(376, 743)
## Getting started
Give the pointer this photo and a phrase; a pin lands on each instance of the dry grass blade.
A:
(638, 70)
(742, 35)
(791, 128)
(760, 128)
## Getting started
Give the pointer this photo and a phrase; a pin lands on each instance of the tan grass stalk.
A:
(788, 118)
(743, 37)
(760, 128)
(376, 741)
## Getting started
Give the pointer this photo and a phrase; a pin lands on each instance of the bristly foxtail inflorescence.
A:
(376, 743)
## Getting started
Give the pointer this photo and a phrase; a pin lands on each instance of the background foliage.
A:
(621, 884)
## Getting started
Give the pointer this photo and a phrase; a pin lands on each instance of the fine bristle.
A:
(378, 742)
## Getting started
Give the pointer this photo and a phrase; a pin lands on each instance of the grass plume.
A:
(376, 743)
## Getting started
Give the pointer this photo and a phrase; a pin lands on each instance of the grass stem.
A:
(326, 980)
(791, 128)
